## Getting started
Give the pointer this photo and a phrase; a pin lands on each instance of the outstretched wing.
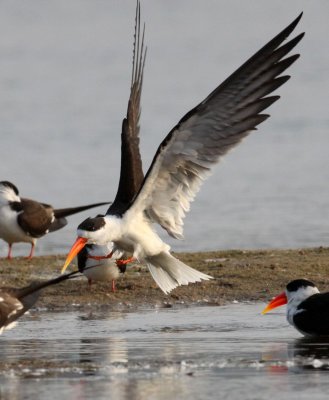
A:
(206, 133)
(131, 174)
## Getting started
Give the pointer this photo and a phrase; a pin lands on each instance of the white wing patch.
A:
(18, 306)
(175, 185)
(10, 305)
(11, 325)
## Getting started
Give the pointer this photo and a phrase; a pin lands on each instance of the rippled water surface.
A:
(64, 84)
(229, 352)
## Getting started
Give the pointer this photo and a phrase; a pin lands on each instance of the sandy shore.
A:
(238, 275)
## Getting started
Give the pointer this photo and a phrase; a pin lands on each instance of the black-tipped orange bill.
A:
(278, 301)
(78, 245)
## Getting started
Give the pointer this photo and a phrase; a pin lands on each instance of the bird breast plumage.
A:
(10, 231)
(103, 270)
(137, 236)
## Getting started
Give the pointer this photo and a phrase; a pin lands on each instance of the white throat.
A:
(297, 297)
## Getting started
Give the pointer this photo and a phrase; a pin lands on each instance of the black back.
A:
(314, 320)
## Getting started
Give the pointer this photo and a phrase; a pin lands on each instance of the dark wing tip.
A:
(280, 37)
(297, 39)
(66, 212)
(131, 170)
(293, 25)
(299, 17)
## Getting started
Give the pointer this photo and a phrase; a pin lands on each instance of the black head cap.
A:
(293, 286)
(10, 185)
(92, 224)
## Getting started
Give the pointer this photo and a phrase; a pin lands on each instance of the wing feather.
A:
(36, 218)
(185, 157)
(131, 173)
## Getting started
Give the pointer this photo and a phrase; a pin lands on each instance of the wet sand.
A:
(238, 275)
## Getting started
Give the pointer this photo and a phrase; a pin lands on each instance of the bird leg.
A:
(31, 252)
(98, 258)
(113, 286)
(9, 255)
(124, 262)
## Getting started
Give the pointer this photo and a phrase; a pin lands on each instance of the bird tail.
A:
(65, 212)
(168, 272)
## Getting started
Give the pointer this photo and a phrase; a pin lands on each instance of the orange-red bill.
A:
(278, 301)
(78, 245)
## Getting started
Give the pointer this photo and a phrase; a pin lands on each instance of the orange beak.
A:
(278, 301)
(78, 245)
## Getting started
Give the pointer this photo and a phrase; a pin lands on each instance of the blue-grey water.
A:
(229, 352)
(64, 84)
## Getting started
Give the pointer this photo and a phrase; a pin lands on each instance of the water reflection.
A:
(111, 351)
(296, 355)
(310, 353)
(167, 353)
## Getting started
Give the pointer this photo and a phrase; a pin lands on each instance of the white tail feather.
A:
(168, 272)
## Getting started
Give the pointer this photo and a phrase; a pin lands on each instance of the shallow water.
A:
(64, 82)
(200, 352)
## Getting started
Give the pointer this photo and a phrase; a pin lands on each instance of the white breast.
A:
(10, 231)
(139, 233)
(104, 270)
